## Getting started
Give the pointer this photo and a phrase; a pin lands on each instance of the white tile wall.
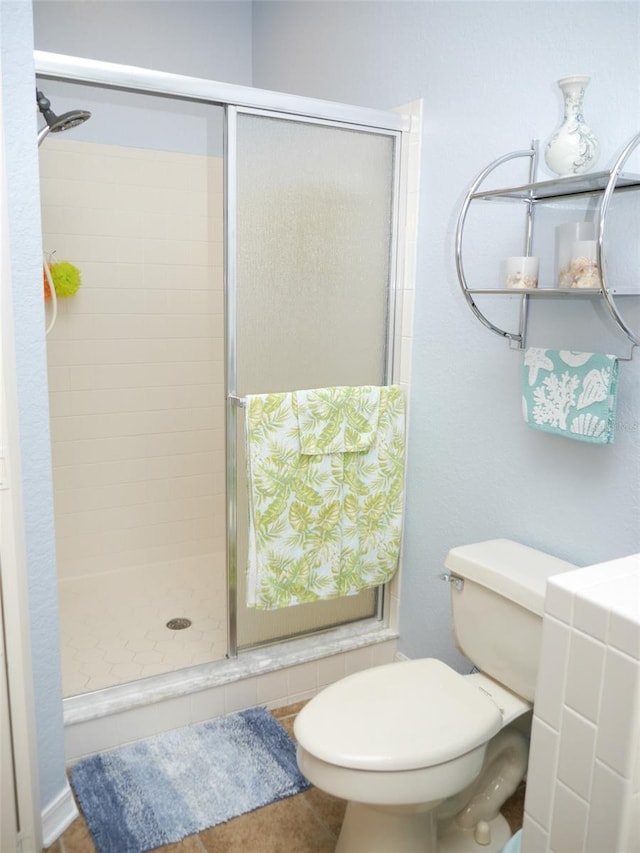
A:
(136, 356)
(584, 768)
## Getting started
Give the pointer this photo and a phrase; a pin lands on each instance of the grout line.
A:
(302, 796)
(317, 816)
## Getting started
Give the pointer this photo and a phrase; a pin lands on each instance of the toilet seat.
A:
(401, 716)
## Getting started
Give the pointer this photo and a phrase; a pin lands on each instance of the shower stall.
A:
(231, 241)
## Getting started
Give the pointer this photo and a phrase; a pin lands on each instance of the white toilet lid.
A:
(401, 716)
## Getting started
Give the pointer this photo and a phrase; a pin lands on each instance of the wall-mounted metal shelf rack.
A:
(546, 292)
(604, 184)
(593, 183)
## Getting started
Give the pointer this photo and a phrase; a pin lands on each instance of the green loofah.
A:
(66, 278)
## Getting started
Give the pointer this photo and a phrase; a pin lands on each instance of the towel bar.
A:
(239, 401)
(627, 357)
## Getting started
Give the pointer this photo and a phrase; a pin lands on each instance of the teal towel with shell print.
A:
(570, 393)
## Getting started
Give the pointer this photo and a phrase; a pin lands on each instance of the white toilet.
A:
(425, 756)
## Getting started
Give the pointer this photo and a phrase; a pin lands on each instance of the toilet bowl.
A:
(425, 756)
(399, 742)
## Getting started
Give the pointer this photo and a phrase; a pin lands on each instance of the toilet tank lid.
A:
(508, 568)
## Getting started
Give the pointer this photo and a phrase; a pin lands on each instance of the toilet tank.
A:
(497, 609)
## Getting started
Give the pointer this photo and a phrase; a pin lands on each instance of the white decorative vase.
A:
(573, 148)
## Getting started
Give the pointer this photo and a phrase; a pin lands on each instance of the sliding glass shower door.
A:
(310, 264)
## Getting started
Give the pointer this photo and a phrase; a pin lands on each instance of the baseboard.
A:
(58, 815)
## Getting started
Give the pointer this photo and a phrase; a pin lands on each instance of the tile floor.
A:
(108, 638)
(307, 823)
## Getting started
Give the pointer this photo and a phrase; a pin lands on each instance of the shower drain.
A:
(178, 624)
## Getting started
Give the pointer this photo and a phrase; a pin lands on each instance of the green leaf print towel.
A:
(327, 523)
(337, 420)
(570, 393)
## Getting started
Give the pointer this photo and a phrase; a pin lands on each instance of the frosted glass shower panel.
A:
(314, 233)
(314, 210)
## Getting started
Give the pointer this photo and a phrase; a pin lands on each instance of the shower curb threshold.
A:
(251, 663)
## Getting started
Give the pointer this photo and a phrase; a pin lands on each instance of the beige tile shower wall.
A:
(584, 770)
(136, 356)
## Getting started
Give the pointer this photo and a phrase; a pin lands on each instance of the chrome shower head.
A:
(55, 123)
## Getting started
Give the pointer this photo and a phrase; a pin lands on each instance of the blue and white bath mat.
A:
(159, 790)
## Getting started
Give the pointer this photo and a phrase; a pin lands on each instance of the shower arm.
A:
(42, 134)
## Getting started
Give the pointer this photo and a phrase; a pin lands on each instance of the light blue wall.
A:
(210, 40)
(199, 39)
(487, 72)
(25, 251)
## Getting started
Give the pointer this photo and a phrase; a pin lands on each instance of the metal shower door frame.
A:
(235, 402)
(236, 99)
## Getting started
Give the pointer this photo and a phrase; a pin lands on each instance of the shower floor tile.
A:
(307, 823)
(113, 626)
